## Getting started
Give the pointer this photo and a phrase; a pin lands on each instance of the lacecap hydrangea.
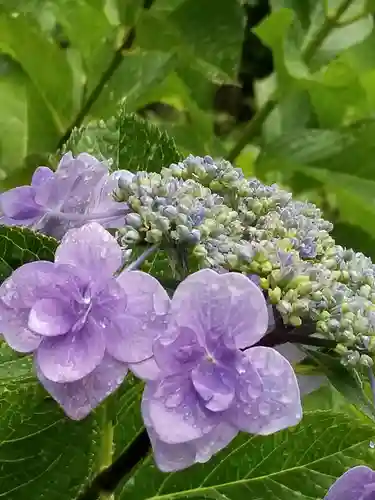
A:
(251, 268)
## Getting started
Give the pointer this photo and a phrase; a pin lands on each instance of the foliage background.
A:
(284, 88)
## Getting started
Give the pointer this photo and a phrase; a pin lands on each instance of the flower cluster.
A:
(243, 225)
(209, 374)
(78, 192)
(82, 323)
(86, 327)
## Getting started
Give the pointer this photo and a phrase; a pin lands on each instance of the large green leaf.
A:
(138, 73)
(129, 142)
(26, 125)
(214, 34)
(40, 58)
(43, 454)
(20, 245)
(296, 464)
(346, 150)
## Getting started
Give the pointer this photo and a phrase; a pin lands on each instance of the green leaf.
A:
(296, 464)
(344, 381)
(129, 142)
(26, 125)
(22, 39)
(42, 452)
(340, 150)
(20, 245)
(138, 73)
(214, 34)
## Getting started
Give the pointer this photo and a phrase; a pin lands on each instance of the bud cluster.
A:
(243, 225)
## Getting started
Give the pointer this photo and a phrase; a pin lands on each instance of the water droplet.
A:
(253, 392)
(247, 410)
(372, 445)
(264, 409)
(173, 400)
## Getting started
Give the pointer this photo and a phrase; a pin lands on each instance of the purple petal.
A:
(72, 187)
(268, 397)
(146, 370)
(80, 397)
(35, 281)
(352, 485)
(71, 357)
(13, 326)
(143, 319)
(177, 350)
(19, 204)
(51, 317)
(221, 305)
(174, 411)
(174, 457)
(91, 250)
(41, 176)
(214, 384)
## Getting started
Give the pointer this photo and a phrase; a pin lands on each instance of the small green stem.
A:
(106, 445)
(254, 126)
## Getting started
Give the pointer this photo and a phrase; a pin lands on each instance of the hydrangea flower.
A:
(210, 384)
(84, 326)
(357, 483)
(78, 192)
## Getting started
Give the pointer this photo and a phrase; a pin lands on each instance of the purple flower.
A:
(80, 191)
(357, 483)
(207, 389)
(84, 326)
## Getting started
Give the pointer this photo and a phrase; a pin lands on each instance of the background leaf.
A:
(300, 463)
(130, 142)
(20, 245)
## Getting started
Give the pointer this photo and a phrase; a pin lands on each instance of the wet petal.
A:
(146, 370)
(19, 204)
(72, 356)
(79, 398)
(51, 317)
(214, 384)
(267, 396)
(177, 350)
(352, 484)
(13, 327)
(227, 306)
(38, 280)
(143, 319)
(41, 176)
(174, 411)
(72, 187)
(91, 250)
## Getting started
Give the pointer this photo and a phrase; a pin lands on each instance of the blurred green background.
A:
(284, 88)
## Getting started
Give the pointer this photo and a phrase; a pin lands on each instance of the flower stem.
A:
(113, 66)
(106, 445)
(254, 126)
(142, 258)
(107, 481)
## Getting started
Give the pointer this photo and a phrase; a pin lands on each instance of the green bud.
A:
(366, 361)
(341, 349)
(295, 321)
(200, 252)
(154, 236)
(274, 295)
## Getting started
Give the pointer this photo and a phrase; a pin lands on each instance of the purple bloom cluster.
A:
(208, 384)
(84, 326)
(357, 483)
(80, 191)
